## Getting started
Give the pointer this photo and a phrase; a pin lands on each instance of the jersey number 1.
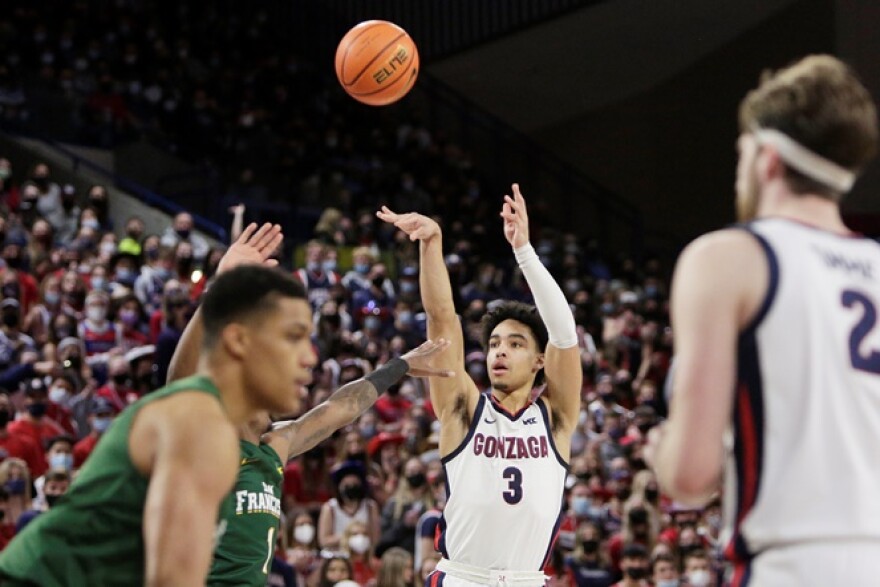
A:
(870, 361)
(271, 540)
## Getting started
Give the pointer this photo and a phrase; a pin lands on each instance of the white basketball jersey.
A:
(806, 426)
(505, 483)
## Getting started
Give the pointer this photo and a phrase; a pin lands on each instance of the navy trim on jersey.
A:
(546, 418)
(772, 285)
(742, 575)
(549, 552)
(435, 579)
(503, 411)
(478, 413)
(749, 440)
(440, 537)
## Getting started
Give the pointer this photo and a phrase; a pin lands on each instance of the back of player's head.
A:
(820, 103)
(242, 294)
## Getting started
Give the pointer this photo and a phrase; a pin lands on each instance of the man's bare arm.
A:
(346, 404)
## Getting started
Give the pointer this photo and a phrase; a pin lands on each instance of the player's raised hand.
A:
(516, 219)
(416, 226)
(253, 247)
(419, 359)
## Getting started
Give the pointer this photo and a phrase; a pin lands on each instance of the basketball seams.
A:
(396, 79)
(350, 44)
(378, 54)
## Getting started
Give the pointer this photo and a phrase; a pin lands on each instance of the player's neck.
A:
(226, 376)
(513, 401)
(815, 211)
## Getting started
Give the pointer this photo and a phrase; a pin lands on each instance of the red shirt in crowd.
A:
(40, 432)
(119, 397)
(23, 447)
(61, 416)
(391, 408)
(293, 485)
(7, 533)
(83, 448)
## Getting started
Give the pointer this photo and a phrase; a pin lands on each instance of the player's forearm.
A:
(549, 299)
(688, 472)
(178, 540)
(434, 279)
(185, 360)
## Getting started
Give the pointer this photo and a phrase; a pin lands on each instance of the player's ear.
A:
(539, 363)
(769, 164)
(235, 338)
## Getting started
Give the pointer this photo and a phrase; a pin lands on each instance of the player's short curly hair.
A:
(523, 313)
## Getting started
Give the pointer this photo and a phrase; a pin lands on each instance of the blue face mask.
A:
(408, 287)
(362, 268)
(15, 487)
(124, 275)
(100, 425)
(52, 297)
(581, 506)
(405, 318)
(61, 461)
(328, 266)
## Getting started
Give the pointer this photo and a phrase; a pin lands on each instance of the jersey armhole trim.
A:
(478, 413)
(546, 417)
(772, 284)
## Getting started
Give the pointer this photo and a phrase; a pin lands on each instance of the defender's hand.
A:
(419, 359)
(516, 219)
(253, 247)
(416, 226)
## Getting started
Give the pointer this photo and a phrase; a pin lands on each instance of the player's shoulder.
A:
(724, 250)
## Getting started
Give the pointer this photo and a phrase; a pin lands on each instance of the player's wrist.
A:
(524, 253)
(388, 374)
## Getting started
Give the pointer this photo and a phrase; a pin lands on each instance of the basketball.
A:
(377, 62)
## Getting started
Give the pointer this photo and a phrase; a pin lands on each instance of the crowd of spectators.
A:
(92, 311)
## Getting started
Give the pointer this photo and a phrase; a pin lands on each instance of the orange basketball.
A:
(377, 62)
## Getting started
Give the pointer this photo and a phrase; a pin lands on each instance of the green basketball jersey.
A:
(243, 556)
(94, 534)
(250, 516)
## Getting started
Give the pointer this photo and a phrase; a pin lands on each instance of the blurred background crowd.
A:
(93, 304)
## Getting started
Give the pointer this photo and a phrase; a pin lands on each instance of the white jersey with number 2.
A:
(807, 403)
(505, 484)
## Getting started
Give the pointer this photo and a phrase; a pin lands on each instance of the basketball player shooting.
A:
(505, 455)
(776, 333)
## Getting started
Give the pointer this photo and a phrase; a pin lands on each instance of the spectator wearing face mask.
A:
(57, 482)
(117, 391)
(588, 566)
(698, 570)
(49, 200)
(402, 512)
(580, 510)
(19, 446)
(302, 552)
(154, 273)
(639, 527)
(99, 421)
(391, 406)
(181, 230)
(98, 334)
(68, 215)
(16, 480)
(13, 342)
(358, 545)
(350, 504)
(634, 566)
(131, 321)
(7, 529)
(59, 456)
(34, 421)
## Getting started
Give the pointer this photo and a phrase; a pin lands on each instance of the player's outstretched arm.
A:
(719, 282)
(346, 404)
(193, 469)
(251, 247)
(437, 300)
(562, 359)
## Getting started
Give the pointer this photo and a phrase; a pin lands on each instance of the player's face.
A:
(279, 356)
(746, 179)
(513, 358)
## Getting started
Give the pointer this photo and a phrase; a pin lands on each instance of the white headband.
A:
(806, 161)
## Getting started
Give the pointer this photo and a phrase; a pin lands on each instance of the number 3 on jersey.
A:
(514, 492)
(870, 360)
